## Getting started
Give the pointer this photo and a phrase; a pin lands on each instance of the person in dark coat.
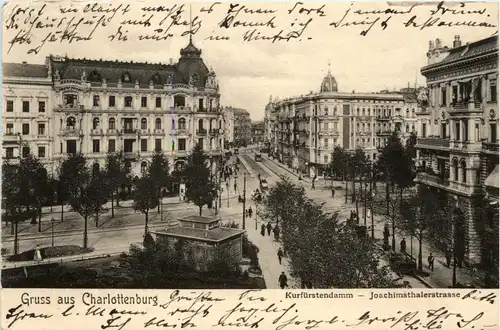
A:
(403, 246)
(276, 231)
(269, 227)
(250, 212)
(280, 255)
(263, 230)
(430, 260)
(333, 192)
(283, 280)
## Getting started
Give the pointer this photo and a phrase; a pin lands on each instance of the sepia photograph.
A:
(278, 145)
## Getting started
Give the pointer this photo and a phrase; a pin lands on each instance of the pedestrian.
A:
(333, 192)
(269, 227)
(448, 258)
(430, 260)
(280, 255)
(240, 200)
(403, 246)
(258, 176)
(276, 231)
(235, 187)
(263, 230)
(250, 212)
(283, 280)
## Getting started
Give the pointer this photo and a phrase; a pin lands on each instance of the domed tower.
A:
(329, 83)
(191, 66)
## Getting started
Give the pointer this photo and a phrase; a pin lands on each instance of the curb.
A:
(247, 166)
(286, 169)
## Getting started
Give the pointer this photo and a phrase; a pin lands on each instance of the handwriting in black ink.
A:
(19, 314)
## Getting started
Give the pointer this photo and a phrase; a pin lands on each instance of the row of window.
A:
(26, 106)
(9, 152)
(179, 101)
(128, 147)
(9, 129)
(462, 95)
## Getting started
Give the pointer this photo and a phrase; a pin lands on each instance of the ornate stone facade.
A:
(458, 140)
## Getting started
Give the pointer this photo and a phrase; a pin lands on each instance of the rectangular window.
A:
(443, 97)
(326, 159)
(325, 142)
(182, 144)
(9, 152)
(41, 129)
(96, 101)
(128, 101)
(10, 129)
(26, 129)
(26, 106)
(493, 93)
(466, 130)
(424, 130)
(144, 102)
(111, 101)
(443, 130)
(200, 104)
(157, 144)
(96, 146)
(26, 151)
(144, 145)
(71, 146)
(10, 106)
(41, 106)
(111, 145)
(158, 102)
(200, 142)
(41, 152)
(457, 131)
(493, 132)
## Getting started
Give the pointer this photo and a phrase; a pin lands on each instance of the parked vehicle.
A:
(236, 151)
(263, 184)
(258, 157)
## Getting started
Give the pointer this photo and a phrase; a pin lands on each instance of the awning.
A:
(492, 179)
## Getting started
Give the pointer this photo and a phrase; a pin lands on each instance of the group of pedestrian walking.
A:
(430, 258)
(249, 212)
(269, 227)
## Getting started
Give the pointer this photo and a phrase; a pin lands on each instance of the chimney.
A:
(171, 61)
(457, 42)
(431, 45)
(438, 44)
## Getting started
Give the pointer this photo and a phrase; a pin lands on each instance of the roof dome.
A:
(190, 50)
(329, 83)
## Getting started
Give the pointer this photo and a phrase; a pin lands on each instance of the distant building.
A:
(242, 127)
(203, 239)
(258, 132)
(303, 131)
(457, 147)
(27, 115)
(228, 116)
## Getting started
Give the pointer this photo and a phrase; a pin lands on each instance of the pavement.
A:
(440, 277)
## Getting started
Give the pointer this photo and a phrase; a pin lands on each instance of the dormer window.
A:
(70, 99)
(156, 79)
(126, 77)
(95, 76)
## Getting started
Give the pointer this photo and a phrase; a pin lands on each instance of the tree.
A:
(340, 165)
(145, 197)
(85, 191)
(359, 167)
(417, 216)
(199, 188)
(411, 150)
(116, 176)
(100, 183)
(159, 172)
(394, 206)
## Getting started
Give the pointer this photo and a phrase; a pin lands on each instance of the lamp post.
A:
(52, 220)
(256, 214)
(372, 196)
(365, 197)
(454, 242)
(227, 189)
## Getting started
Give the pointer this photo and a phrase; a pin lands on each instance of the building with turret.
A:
(101, 106)
(303, 131)
(457, 147)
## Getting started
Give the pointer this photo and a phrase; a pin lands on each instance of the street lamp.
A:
(52, 220)
(244, 197)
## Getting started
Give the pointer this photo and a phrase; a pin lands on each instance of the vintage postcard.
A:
(169, 164)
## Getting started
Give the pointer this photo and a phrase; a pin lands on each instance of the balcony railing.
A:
(130, 155)
(201, 131)
(112, 131)
(432, 178)
(466, 106)
(214, 132)
(179, 131)
(159, 131)
(490, 146)
(128, 131)
(435, 142)
(96, 131)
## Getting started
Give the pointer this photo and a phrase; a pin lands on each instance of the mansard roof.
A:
(24, 70)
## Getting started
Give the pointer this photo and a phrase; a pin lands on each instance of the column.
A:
(449, 93)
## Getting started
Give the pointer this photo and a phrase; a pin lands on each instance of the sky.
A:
(250, 72)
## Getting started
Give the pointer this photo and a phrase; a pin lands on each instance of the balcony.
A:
(143, 131)
(96, 132)
(69, 107)
(128, 131)
(112, 131)
(433, 143)
(201, 132)
(215, 132)
(182, 109)
(490, 147)
(179, 131)
(466, 145)
(71, 131)
(158, 131)
(465, 107)
(130, 156)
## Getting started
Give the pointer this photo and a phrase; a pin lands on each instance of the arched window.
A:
(71, 123)
(200, 124)
(334, 111)
(413, 113)
(220, 123)
(363, 111)
(95, 168)
(407, 113)
(326, 111)
(407, 128)
(464, 171)
(179, 101)
(144, 167)
(455, 169)
(144, 123)
(95, 123)
(158, 123)
(182, 123)
(111, 123)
